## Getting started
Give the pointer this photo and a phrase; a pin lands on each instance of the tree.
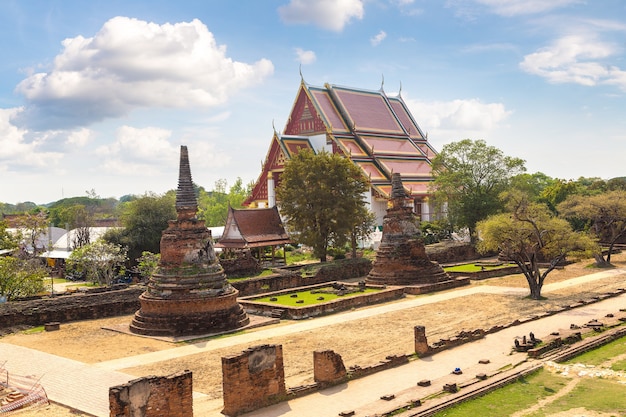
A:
(7, 240)
(213, 205)
(606, 214)
(31, 227)
(530, 235)
(148, 263)
(469, 177)
(20, 277)
(531, 184)
(321, 196)
(144, 220)
(100, 261)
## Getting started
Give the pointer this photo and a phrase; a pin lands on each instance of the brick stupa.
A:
(189, 293)
(401, 258)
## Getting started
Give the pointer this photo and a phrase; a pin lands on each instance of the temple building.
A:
(255, 230)
(377, 132)
(189, 293)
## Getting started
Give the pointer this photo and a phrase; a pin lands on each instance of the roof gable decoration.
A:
(312, 113)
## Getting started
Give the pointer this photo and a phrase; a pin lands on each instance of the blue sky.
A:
(99, 95)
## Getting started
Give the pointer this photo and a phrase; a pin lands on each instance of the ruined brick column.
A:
(189, 294)
(253, 379)
(328, 367)
(152, 396)
(421, 342)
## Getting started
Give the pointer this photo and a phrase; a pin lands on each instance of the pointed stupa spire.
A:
(397, 188)
(186, 202)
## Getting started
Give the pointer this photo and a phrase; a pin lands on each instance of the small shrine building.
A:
(255, 230)
(375, 131)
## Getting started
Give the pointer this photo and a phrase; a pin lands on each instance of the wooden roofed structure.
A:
(375, 131)
(254, 230)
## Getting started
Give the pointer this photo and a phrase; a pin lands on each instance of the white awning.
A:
(56, 254)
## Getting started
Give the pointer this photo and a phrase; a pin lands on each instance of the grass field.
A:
(547, 393)
(309, 298)
(476, 267)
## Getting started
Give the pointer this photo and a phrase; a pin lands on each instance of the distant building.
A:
(375, 131)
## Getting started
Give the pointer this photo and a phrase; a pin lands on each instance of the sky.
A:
(98, 96)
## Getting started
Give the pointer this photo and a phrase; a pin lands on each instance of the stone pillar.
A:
(271, 192)
(153, 396)
(421, 343)
(328, 367)
(253, 379)
(425, 211)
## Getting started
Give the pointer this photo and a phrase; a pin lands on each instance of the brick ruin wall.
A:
(253, 379)
(65, 308)
(450, 252)
(328, 367)
(152, 396)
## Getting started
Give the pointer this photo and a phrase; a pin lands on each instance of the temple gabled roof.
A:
(282, 148)
(250, 228)
(377, 132)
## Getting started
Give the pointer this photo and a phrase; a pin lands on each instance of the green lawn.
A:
(511, 398)
(602, 354)
(476, 267)
(308, 297)
(594, 394)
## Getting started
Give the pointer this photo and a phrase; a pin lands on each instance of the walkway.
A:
(85, 387)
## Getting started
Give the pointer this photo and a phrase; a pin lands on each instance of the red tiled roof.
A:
(368, 111)
(258, 227)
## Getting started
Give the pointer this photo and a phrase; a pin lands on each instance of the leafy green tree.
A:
(469, 176)
(31, 226)
(558, 191)
(605, 213)
(531, 236)
(213, 205)
(531, 184)
(618, 183)
(7, 240)
(99, 261)
(144, 220)
(148, 263)
(73, 212)
(21, 277)
(321, 196)
(363, 229)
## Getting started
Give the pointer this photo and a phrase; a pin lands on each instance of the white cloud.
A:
(522, 7)
(458, 119)
(380, 36)
(131, 64)
(576, 59)
(146, 151)
(20, 150)
(328, 14)
(305, 57)
(79, 138)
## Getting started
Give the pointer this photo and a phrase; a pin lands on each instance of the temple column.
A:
(425, 211)
(271, 192)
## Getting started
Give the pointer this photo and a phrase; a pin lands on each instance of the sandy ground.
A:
(361, 342)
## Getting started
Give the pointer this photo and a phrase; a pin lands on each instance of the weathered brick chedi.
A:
(401, 258)
(189, 294)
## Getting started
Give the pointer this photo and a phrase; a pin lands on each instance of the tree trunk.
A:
(535, 290)
(600, 261)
